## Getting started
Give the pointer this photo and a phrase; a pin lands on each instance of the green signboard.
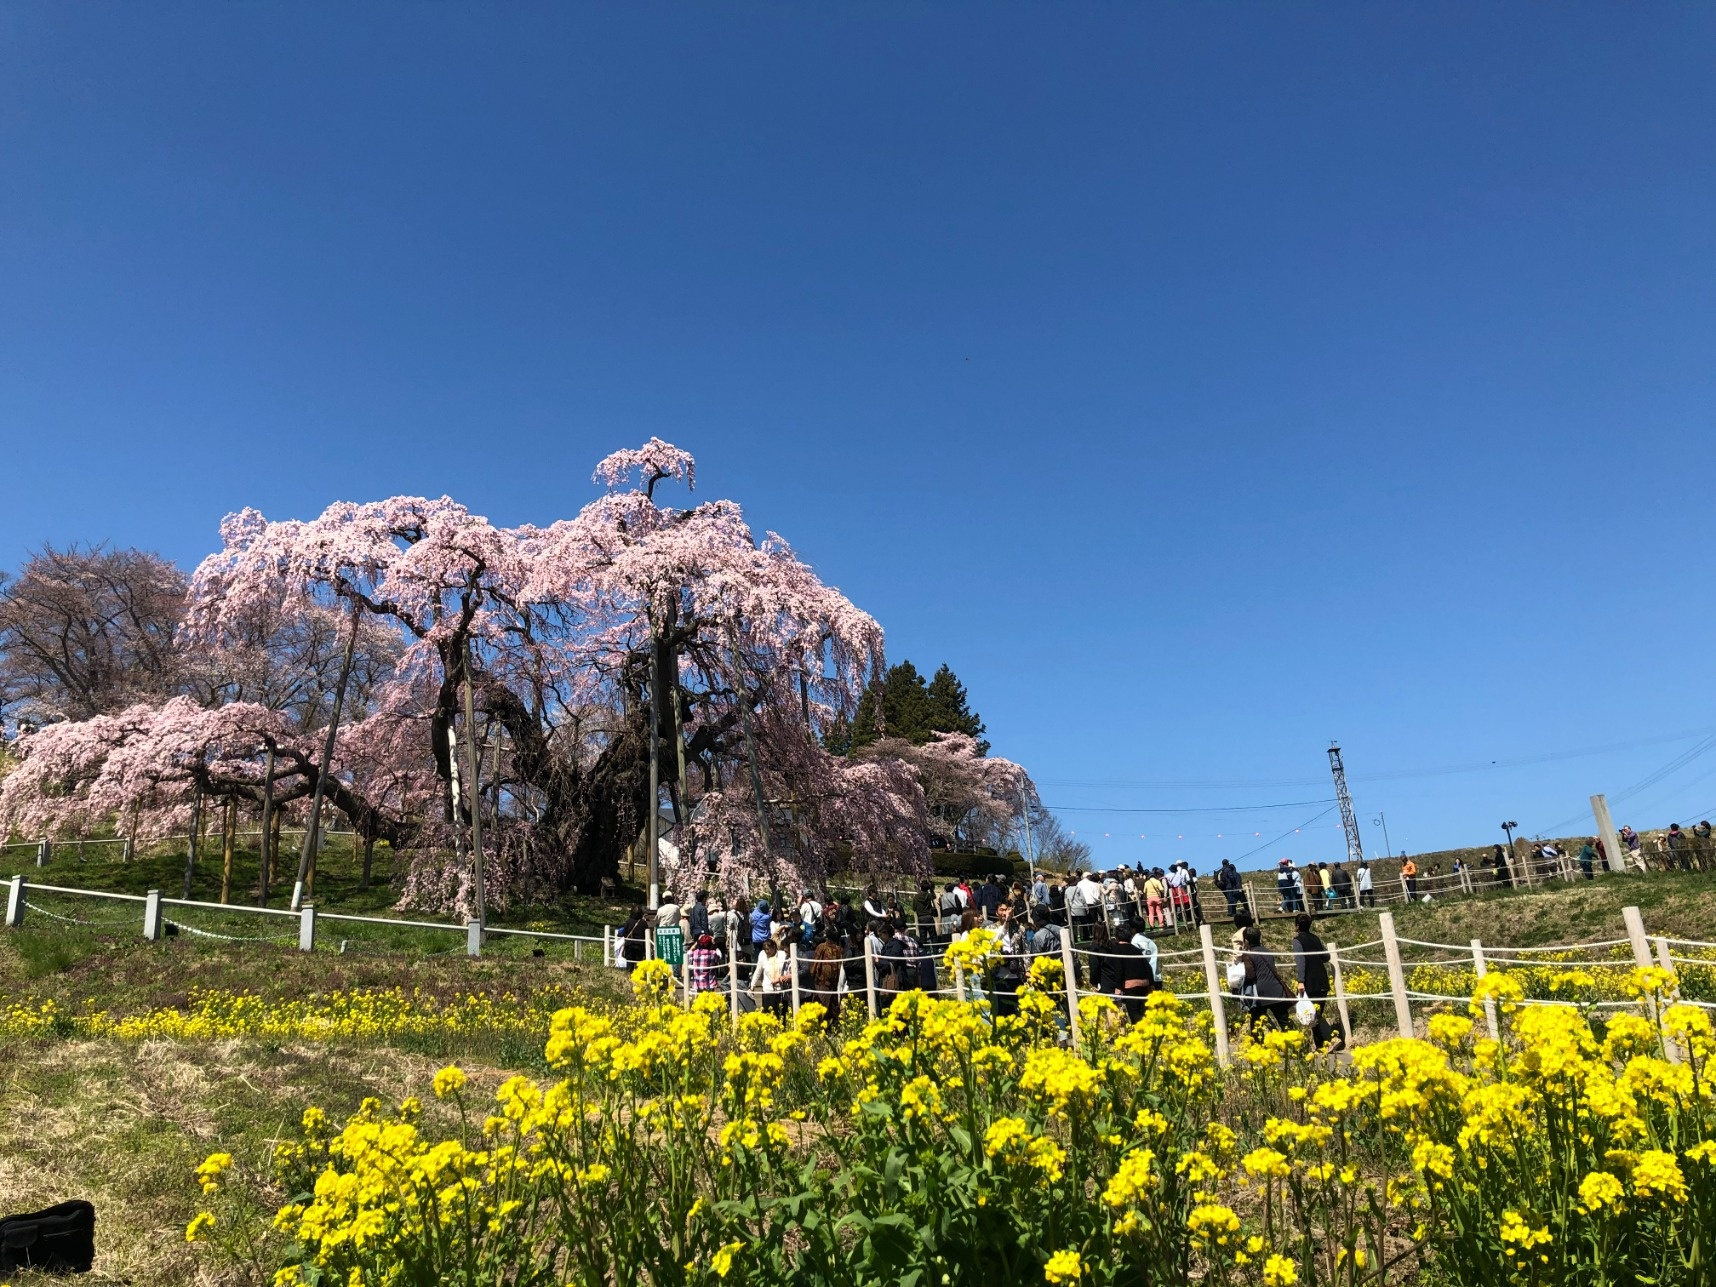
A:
(670, 945)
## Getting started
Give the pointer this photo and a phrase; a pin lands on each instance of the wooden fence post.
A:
(1340, 991)
(1213, 982)
(959, 981)
(1396, 976)
(152, 915)
(1480, 967)
(15, 902)
(1641, 956)
(473, 938)
(792, 964)
(870, 976)
(1071, 971)
(44, 851)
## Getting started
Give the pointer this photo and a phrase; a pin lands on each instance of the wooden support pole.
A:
(792, 964)
(1340, 985)
(1213, 982)
(1396, 976)
(870, 976)
(1642, 958)
(1613, 854)
(228, 839)
(1480, 967)
(1071, 971)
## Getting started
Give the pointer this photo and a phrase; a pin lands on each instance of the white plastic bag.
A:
(1305, 1011)
(1235, 975)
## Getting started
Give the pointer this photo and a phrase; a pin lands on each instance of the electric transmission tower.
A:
(1349, 824)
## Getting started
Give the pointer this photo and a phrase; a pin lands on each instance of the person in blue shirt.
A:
(759, 925)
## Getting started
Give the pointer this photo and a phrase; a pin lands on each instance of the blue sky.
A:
(1203, 382)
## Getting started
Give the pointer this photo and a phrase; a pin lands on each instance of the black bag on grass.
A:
(60, 1239)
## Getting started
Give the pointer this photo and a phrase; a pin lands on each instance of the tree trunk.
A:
(368, 860)
(228, 837)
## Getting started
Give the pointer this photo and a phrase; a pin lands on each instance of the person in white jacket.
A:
(771, 978)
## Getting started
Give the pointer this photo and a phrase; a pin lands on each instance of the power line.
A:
(1546, 757)
(1649, 780)
(1235, 808)
(1278, 839)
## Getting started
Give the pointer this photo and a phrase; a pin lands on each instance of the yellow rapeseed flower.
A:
(1063, 1267)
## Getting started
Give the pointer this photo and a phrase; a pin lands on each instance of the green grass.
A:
(337, 882)
(124, 1123)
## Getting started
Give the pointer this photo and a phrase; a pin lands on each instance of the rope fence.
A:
(1407, 977)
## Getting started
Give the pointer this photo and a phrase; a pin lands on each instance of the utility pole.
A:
(1382, 821)
(1025, 813)
(471, 759)
(1349, 823)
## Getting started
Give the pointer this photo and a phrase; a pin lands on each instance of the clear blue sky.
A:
(1203, 382)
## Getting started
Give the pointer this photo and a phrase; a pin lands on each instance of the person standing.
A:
(1153, 892)
(1343, 887)
(1265, 993)
(761, 923)
(1313, 888)
(1409, 873)
(1311, 971)
(1366, 892)
(923, 908)
(703, 965)
(825, 972)
(667, 913)
(1588, 860)
(634, 938)
(1015, 960)
(1075, 908)
(1678, 849)
(1227, 880)
(770, 977)
(697, 919)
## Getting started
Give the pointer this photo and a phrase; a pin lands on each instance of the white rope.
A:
(1564, 947)
(230, 938)
(72, 920)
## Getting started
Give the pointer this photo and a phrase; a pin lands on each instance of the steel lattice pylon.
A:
(1355, 845)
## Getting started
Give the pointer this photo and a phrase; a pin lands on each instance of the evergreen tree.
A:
(950, 710)
(911, 709)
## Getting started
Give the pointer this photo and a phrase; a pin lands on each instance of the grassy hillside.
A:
(123, 1122)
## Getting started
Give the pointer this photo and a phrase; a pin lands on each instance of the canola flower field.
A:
(385, 1016)
(939, 1144)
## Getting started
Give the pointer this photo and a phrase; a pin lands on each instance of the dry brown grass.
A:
(124, 1125)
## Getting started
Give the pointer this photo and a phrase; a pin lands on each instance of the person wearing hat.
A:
(704, 963)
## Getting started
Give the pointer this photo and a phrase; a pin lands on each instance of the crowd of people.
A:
(844, 949)
(1108, 919)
